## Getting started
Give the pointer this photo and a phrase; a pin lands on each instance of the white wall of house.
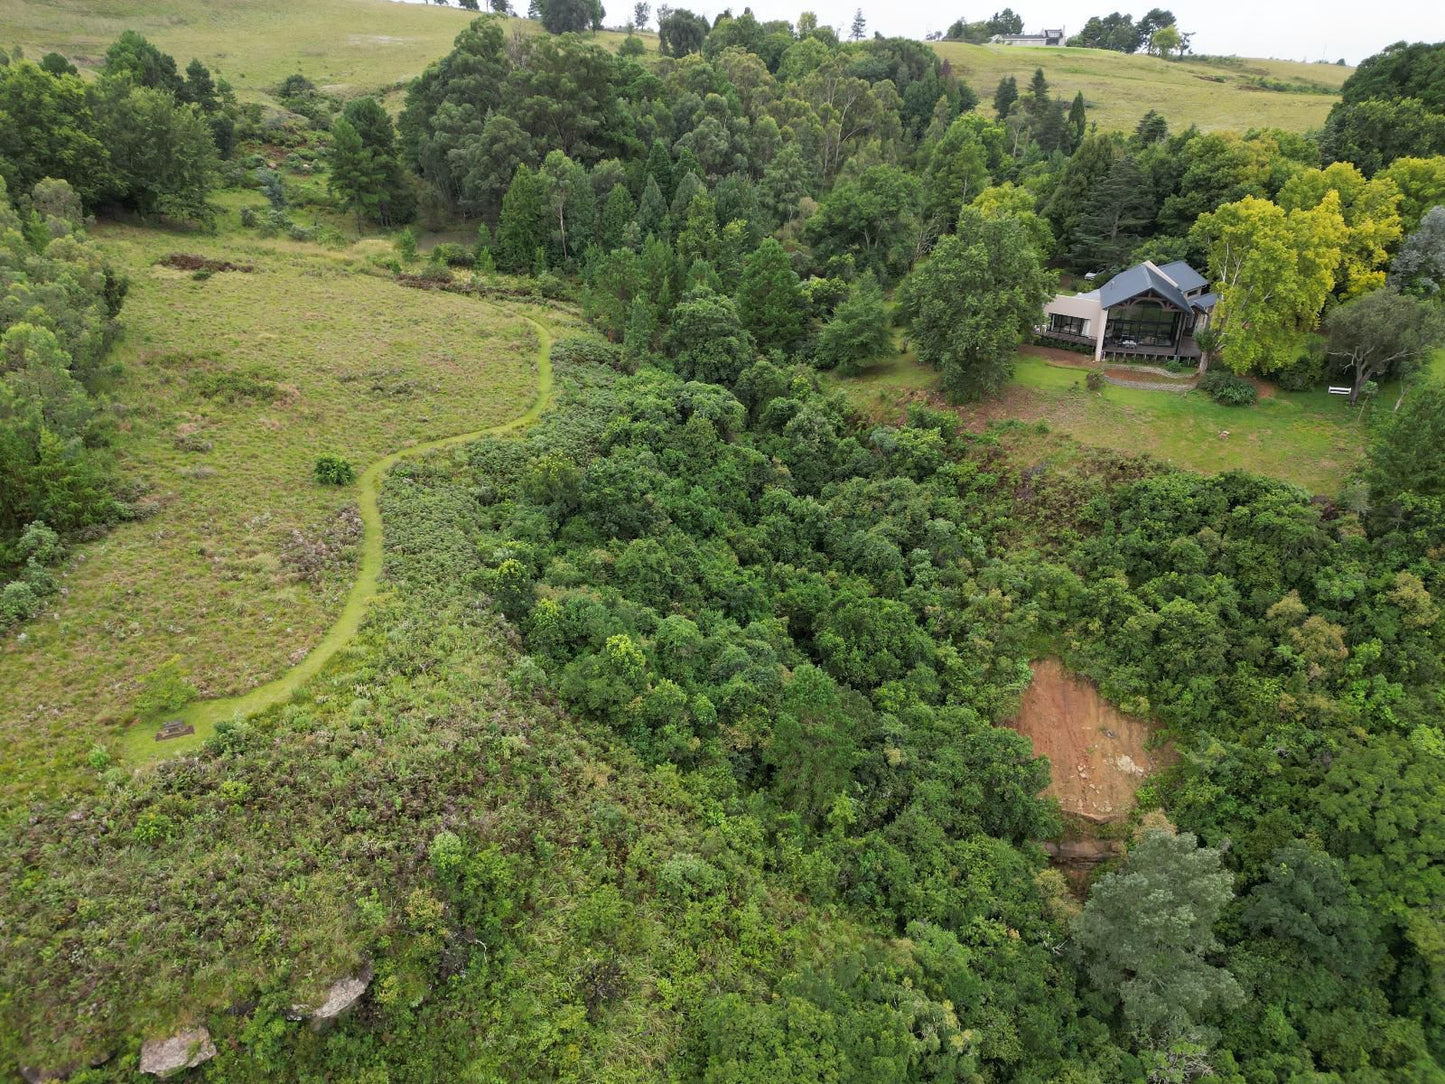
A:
(1094, 315)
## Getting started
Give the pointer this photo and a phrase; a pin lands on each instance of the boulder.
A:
(342, 995)
(184, 1050)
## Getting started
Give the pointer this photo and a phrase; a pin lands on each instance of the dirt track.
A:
(1098, 755)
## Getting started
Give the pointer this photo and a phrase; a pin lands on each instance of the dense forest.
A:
(674, 752)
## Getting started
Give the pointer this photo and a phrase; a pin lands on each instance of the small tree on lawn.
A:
(971, 302)
(1380, 335)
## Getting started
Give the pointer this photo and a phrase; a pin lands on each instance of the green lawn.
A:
(242, 560)
(1310, 438)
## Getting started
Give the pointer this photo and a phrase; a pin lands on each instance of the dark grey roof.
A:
(1187, 278)
(1204, 302)
(1140, 279)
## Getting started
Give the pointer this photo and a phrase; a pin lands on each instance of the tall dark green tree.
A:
(133, 56)
(618, 212)
(1077, 119)
(366, 171)
(970, 303)
(1005, 95)
(680, 32)
(770, 299)
(570, 16)
(707, 339)
(1115, 216)
(524, 226)
(857, 332)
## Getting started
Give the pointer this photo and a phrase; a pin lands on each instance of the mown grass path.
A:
(139, 745)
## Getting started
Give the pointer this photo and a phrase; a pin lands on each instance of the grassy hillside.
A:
(1120, 89)
(343, 45)
(229, 388)
(353, 46)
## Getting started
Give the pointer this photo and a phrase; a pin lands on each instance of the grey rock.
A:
(184, 1050)
(343, 994)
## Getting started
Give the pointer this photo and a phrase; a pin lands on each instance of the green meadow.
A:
(227, 388)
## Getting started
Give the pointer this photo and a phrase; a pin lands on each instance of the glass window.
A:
(1143, 323)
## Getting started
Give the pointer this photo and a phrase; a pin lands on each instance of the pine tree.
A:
(1114, 217)
(660, 277)
(698, 239)
(357, 179)
(652, 211)
(770, 298)
(1039, 97)
(1077, 119)
(859, 26)
(523, 227)
(688, 187)
(659, 168)
(785, 182)
(640, 338)
(858, 331)
(617, 212)
(1005, 96)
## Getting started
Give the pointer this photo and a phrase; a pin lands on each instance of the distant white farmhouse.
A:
(1146, 311)
(1043, 37)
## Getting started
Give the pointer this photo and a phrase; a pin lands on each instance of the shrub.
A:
(38, 543)
(18, 602)
(584, 350)
(1224, 387)
(406, 245)
(1094, 380)
(1307, 370)
(447, 853)
(164, 689)
(332, 470)
(453, 255)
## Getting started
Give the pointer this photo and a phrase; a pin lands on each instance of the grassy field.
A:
(1310, 438)
(344, 46)
(230, 387)
(1120, 89)
(357, 46)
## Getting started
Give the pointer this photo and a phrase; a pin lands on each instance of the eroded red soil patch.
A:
(1098, 755)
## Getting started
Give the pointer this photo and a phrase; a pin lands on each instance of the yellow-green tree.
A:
(1274, 270)
(1371, 210)
(1013, 201)
(1421, 182)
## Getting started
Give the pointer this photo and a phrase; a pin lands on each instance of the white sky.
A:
(1285, 29)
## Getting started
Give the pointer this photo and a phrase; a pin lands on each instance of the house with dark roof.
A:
(1145, 312)
(1042, 38)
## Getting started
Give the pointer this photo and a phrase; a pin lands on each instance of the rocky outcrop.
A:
(340, 998)
(183, 1050)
